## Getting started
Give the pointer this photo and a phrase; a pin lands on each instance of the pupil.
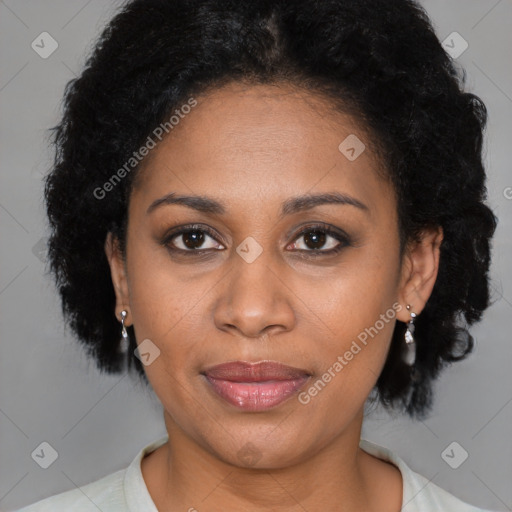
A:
(317, 238)
(196, 237)
(193, 239)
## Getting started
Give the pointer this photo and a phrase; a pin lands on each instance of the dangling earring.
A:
(124, 343)
(410, 345)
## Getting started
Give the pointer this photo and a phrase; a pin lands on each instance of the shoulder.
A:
(120, 491)
(105, 494)
(419, 493)
(425, 495)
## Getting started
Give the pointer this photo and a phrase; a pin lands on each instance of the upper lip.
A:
(244, 371)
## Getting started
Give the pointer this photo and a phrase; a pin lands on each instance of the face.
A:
(261, 276)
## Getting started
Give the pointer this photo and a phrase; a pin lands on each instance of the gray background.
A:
(49, 391)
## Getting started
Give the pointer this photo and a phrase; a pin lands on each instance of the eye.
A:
(321, 239)
(318, 239)
(191, 239)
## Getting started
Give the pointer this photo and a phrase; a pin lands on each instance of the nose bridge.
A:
(253, 297)
(252, 279)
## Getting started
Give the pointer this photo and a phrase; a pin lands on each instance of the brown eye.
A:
(320, 240)
(191, 239)
(314, 239)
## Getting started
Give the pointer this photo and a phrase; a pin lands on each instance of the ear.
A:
(419, 272)
(118, 275)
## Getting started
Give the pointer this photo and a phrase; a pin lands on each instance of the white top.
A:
(126, 491)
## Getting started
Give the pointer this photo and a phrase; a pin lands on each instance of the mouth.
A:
(255, 386)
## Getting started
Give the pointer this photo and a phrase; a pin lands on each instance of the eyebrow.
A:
(209, 205)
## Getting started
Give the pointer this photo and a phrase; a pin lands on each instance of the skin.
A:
(251, 148)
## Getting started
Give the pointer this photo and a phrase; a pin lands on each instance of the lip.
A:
(255, 386)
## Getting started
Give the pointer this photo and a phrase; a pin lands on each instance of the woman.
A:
(258, 198)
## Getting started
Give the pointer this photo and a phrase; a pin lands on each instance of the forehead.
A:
(251, 144)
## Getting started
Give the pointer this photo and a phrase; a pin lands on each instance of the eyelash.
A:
(325, 229)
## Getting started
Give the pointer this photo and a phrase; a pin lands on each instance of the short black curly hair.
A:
(378, 58)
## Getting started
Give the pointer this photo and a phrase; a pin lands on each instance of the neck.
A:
(182, 475)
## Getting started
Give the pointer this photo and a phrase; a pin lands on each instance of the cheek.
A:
(350, 359)
(357, 305)
(164, 303)
(355, 293)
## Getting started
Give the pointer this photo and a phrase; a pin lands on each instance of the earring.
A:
(410, 344)
(125, 341)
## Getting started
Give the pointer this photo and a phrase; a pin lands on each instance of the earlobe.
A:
(421, 266)
(117, 273)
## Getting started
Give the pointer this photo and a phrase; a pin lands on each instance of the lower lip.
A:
(256, 396)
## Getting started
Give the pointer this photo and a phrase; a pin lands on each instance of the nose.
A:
(253, 300)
